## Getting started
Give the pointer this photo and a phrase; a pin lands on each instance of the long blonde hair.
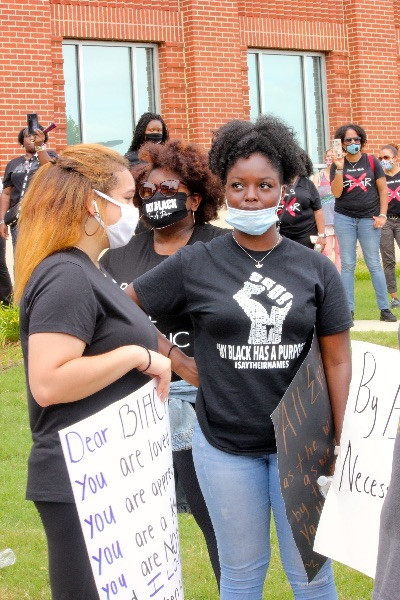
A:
(53, 209)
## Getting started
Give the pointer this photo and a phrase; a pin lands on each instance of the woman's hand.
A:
(379, 222)
(339, 162)
(185, 367)
(159, 369)
(38, 137)
(321, 240)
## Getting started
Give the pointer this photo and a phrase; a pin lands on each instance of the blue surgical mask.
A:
(353, 148)
(252, 222)
(386, 164)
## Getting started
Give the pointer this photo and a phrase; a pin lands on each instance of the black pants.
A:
(184, 467)
(70, 572)
(5, 280)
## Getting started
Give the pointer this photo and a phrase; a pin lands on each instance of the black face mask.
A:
(156, 138)
(161, 211)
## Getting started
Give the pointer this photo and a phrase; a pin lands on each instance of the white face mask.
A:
(121, 232)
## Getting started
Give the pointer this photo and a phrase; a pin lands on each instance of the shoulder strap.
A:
(371, 162)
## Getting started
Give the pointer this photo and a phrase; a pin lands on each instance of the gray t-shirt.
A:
(252, 328)
(68, 294)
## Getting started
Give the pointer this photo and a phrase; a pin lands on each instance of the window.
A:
(107, 88)
(291, 86)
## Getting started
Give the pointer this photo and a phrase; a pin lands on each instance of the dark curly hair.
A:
(268, 136)
(308, 168)
(22, 134)
(341, 132)
(140, 129)
(189, 162)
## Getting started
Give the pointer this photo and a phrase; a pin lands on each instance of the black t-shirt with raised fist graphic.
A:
(296, 211)
(252, 328)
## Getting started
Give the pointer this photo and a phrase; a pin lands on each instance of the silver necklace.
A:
(259, 263)
(353, 164)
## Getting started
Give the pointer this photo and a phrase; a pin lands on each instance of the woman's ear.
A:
(195, 201)
(91, 204)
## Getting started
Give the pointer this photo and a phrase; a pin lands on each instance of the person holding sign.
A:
(177, 195)
(255, 299)
(84, 345)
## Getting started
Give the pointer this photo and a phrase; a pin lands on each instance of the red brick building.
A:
(97, 65)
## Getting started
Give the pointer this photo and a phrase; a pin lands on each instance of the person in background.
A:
(19, 172)
(359, 186)
(177, 195)
(150, 128)
(391, 229)
(251, 294)
(300, 213)
(85, 344)
(5, 279)
(323, 185)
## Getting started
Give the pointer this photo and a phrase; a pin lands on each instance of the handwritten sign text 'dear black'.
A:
(304, 433)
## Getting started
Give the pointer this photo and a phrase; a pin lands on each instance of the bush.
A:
(9, 323)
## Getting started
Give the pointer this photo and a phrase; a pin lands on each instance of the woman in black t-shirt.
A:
(300, 211)
(255, 299)
(391, 229)
(150, 128)
(359, 186)
(84, 345)
(177, 195)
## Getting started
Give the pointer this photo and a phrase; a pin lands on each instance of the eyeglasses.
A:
(385, 157)
(349, 140)
(167, 188)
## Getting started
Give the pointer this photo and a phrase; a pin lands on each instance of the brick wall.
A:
(202, 57)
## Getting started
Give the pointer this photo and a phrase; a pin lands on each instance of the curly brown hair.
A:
(190, 163)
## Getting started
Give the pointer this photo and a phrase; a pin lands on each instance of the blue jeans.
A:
(240, 492)
(348, 231)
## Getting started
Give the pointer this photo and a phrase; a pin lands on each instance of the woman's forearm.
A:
(59, 377)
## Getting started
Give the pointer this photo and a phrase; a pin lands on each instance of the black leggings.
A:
(184, 467)
(70, 572)
(5, 280)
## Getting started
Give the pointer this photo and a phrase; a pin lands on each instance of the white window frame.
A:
(261, 95)
(132, 45)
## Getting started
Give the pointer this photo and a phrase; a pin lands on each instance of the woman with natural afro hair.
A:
(255, 299)
(177, 195)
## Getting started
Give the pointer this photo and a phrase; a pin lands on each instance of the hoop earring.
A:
(194, 217)
(84, 228)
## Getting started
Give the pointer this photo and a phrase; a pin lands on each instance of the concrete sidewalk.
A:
(375, 326)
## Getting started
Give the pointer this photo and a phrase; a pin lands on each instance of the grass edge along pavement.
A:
(21, 530)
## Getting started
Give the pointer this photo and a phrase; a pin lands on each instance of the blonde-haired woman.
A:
(85, 344)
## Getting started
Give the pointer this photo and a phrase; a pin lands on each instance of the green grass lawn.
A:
(20, 527)
(366, 307)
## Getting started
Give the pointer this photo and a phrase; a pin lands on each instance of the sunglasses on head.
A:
(351, 139)
(168, 188)
(385, 157)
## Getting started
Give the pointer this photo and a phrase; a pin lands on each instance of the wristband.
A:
(339, 170)
(149, 355)
(383, 215)
(40, 148)
(323, 235)
(171, 348)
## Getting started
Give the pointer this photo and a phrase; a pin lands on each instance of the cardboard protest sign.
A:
(349, 526)
(120, 466)
(304, 433)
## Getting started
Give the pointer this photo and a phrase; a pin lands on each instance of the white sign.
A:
(120, 466)
(348, 530)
